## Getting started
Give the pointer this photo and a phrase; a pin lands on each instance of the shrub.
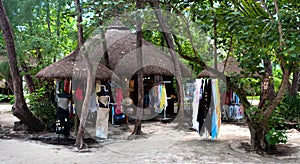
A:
(42, 108)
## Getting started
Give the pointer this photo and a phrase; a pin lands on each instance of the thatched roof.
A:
(232, 68)
(206, 74)
(121, 45)
(64, 69)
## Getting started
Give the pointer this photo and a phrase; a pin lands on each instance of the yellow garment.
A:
(163, 99)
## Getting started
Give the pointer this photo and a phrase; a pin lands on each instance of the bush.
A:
(287, 112)
(42, 108)
(289, 109)
(46, 111)
(275, 137)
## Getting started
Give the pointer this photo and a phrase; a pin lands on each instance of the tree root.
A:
(138, 135)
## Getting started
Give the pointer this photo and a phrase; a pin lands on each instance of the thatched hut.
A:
(121, 45)
(64, 69)
(229, 66)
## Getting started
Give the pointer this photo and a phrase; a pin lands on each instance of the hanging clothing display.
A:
(102, 114)
(62, 116)
(232, 110)
(216, 115)
(197, 95)
(158, 98)
(119, 99)
(206, 107)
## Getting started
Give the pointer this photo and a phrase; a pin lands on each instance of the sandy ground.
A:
(161, 144)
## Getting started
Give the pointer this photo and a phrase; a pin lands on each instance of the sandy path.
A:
(162, 144)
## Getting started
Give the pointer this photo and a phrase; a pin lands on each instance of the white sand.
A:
(163, 144)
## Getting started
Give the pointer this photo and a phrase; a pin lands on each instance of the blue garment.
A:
(214, 125)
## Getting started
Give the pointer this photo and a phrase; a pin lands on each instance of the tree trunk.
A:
(90, 81)
(10, 84)
(267, 85)
(28, 79)
(215, 36)
(20, 109)
(139, 113)
(258, 137)
(167, 35)
(294, 86)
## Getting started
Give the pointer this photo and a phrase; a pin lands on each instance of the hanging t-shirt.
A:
(119, 99)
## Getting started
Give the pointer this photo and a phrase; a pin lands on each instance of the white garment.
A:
(63, 103)
(197, 95)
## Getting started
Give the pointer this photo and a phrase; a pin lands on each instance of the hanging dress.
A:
(102, 117)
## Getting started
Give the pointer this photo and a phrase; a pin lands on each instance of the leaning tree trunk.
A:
(167, 35)
(86, 102)
(20, 109)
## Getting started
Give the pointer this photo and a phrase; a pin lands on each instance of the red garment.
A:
(67, 86)
(79, 94)
(119, 98)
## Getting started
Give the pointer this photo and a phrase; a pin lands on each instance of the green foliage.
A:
(9, 98)
(42, 108)
(289, 109)
(45, 110)
(3, 97)
(5, 70)
(275, 137)
(255, 114)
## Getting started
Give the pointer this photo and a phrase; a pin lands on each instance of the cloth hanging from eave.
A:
(163, 99)
(119, 99)
(158, 98)
(197, 86)
(66, 87)
(204, 106)
(216, 114)
(102, 116)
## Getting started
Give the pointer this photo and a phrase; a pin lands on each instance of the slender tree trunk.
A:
(104, 43)
(48, 16)
(58, 19)
(10, 84)
(28, 79)
(294, 86)
(215, 36)
(90, 80)
(20, 108)
(139, 113)
(170, 44)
